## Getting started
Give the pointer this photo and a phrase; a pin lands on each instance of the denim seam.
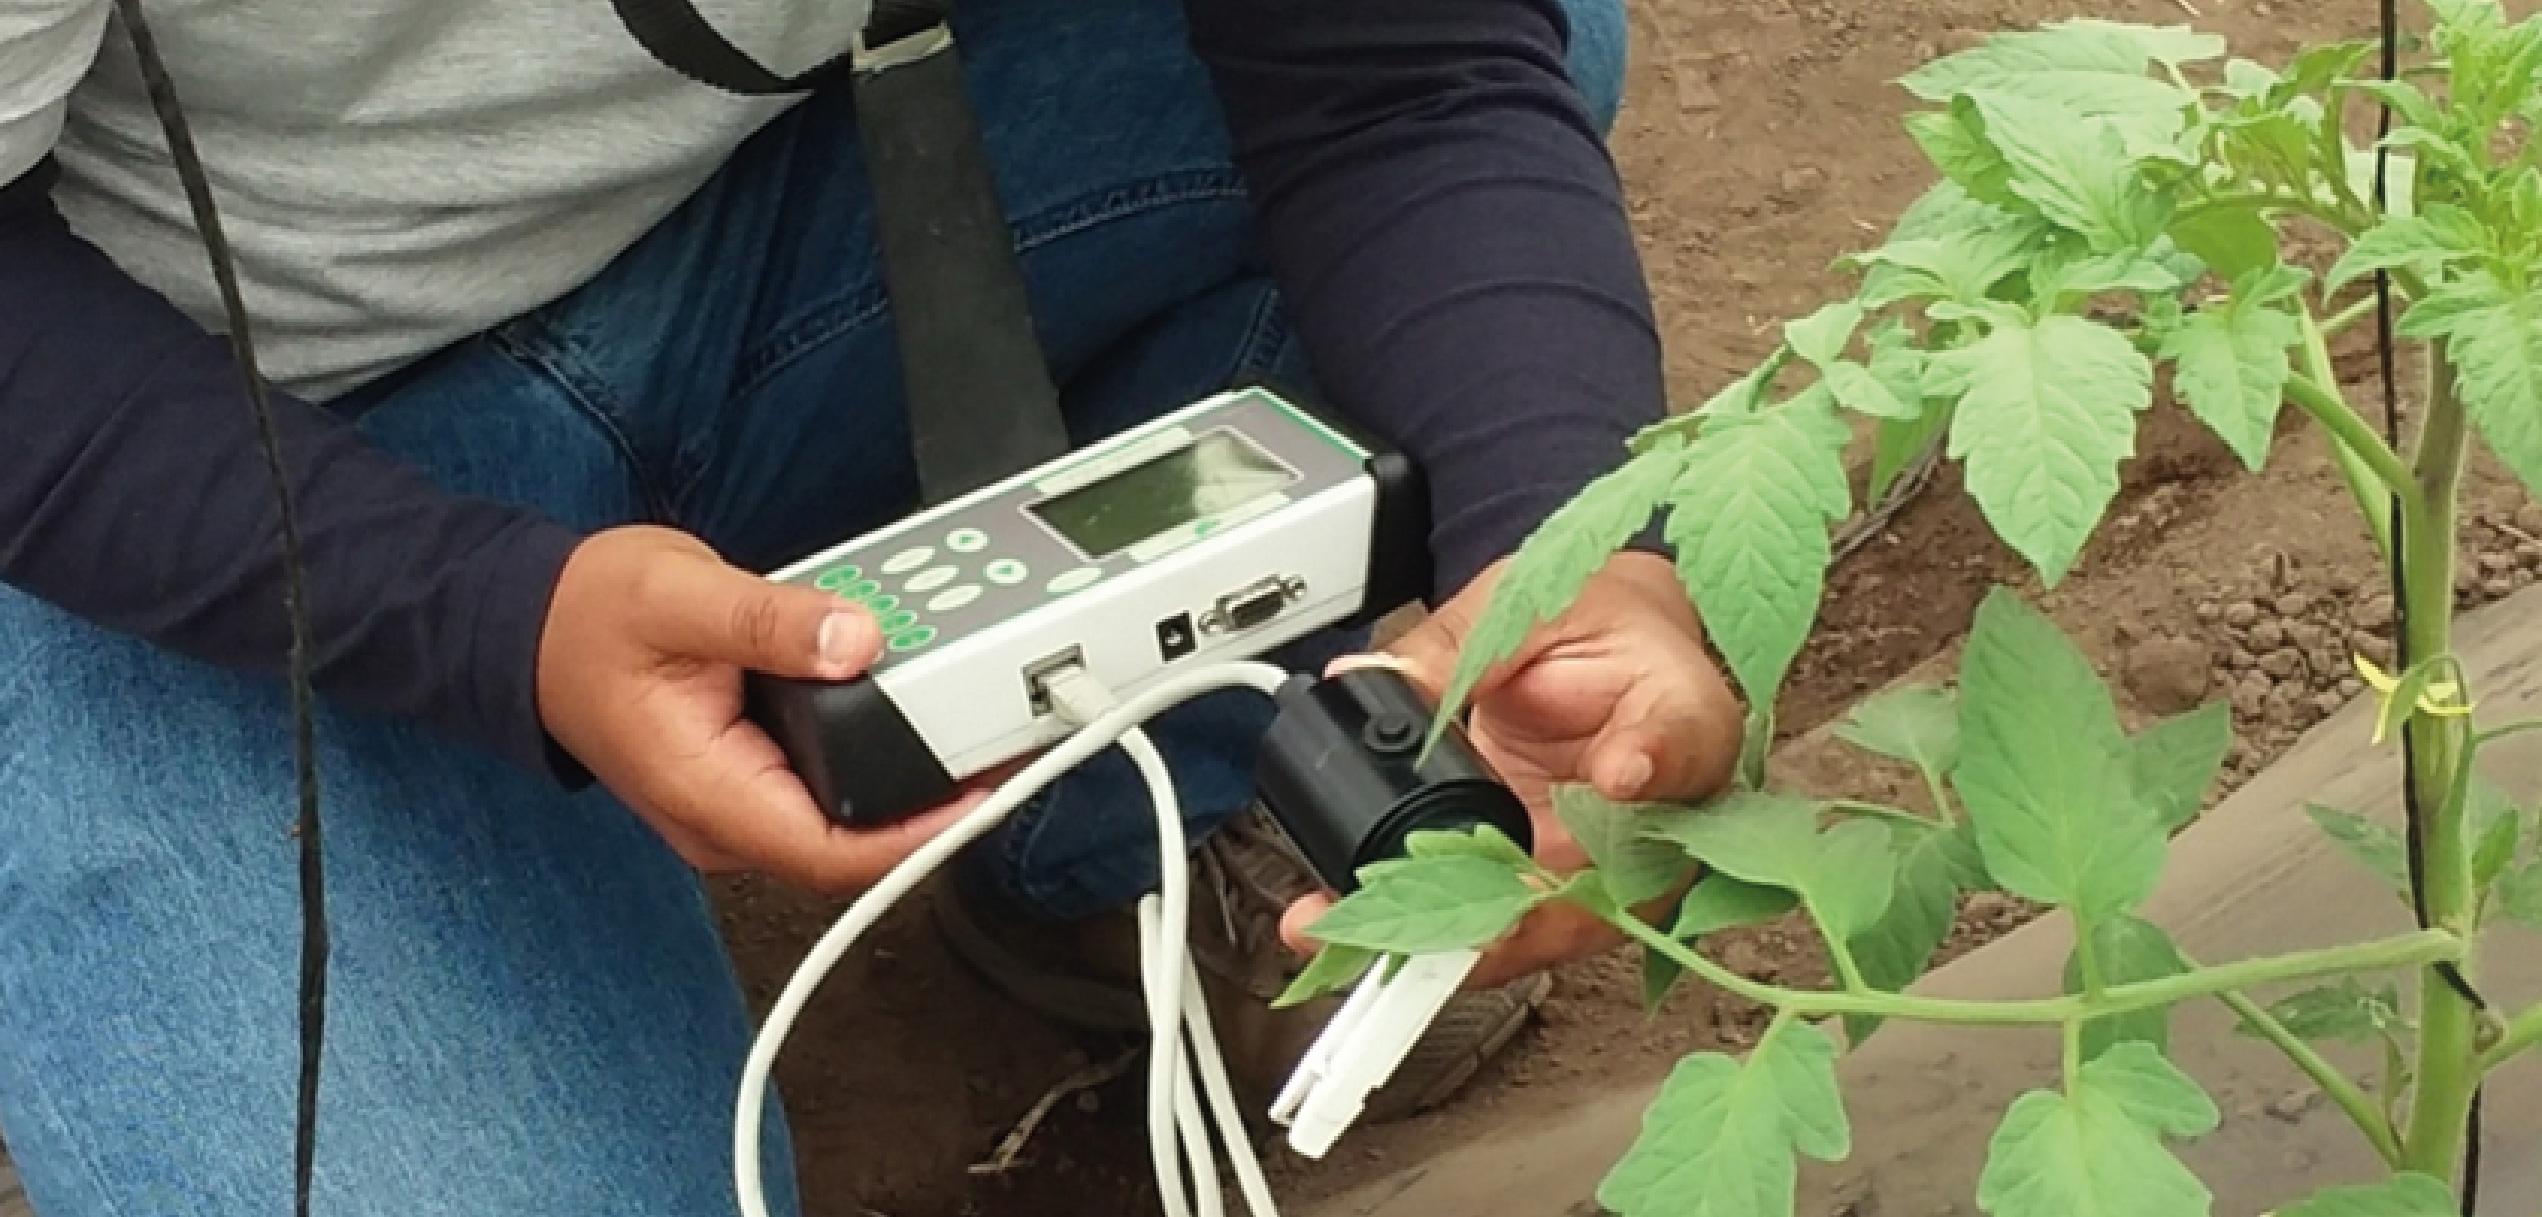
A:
(555, 358)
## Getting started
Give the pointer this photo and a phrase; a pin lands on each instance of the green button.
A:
(837, 577)
(893, 623)
(862, 589)
(914, 639)
(882, 604)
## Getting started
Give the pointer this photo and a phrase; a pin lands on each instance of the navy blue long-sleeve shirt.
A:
(1435, 202)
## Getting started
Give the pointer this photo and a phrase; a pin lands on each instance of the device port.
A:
(1037, 675)
(1254, 605)
(1175, 637)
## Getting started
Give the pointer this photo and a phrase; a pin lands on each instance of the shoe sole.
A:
(1074, 1001)
(1401, 1097)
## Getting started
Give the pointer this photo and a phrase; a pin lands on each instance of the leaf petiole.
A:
(2373, 1121)
(1899, 815)
(2400, 951)
(2522, 1033)
(2351, 432)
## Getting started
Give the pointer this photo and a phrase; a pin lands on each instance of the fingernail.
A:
(843, 638)
(1352, 663)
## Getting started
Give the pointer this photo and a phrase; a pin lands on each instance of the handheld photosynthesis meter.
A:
(1217, 532)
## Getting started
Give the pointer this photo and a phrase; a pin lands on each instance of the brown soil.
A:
(1760, 141)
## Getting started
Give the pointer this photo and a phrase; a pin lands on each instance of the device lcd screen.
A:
(1219, 471)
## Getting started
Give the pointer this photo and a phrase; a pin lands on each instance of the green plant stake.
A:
(2112, 199)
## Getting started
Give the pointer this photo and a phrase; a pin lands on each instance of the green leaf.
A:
(2091, 66)
(2128, 950)
(1746, 395)
(2041, 757)
(1963, 266)
(1724, 902)
(2453, 304)
(1636, 868)
(1952, 140)
(2068, 273)
(2409, 1194)
(2232, 241)
(2497, 830)
(2046, 412)
(1749, 517)
(1967, 860)
(2075, 169)
(1918, 724)
(2520, 895)
(1894, 950)
(1843, 873)
(1423, 905)
(2374, 846)
(1551, 566)
(2172, 764)
(1720, 1139)
(2344, 1011)
(1820, 337)
(1858, 389)
(2233, 367)
(2440, 235)
(1336, 966)
(2497, 356)
(1483, 841)
(2097, 1150)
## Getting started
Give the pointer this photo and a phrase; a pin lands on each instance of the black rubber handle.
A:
(1342, 772)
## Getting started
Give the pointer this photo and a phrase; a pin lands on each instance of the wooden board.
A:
(2252, 877)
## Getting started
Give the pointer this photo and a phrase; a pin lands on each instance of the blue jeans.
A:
(532, 1012)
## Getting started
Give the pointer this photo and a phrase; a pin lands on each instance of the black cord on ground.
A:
(313, 921)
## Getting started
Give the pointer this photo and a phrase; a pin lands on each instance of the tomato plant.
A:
(2111, 199)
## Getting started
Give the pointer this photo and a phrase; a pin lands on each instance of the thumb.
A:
(718, 613)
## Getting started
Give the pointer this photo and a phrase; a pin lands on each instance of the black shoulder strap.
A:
(981, 403)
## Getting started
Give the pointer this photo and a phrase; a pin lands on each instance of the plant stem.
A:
(2402, 951)
(2523, 1032)
(2072, 1035)
(1941, 799)
(2267, 201)
(2502, 731)
(2087, 958)
(1881, 811)
(2354, 313)
(2342, 1089)
(2345, 426)
(2448, 1025)
(2351, 431)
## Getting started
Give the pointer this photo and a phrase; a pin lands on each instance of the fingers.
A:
(711, 611)
(744, 802)
(1678, 755)
(1549, 935)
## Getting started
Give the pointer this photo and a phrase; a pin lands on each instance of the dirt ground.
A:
(1760, 141)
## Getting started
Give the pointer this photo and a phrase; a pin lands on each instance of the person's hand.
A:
(1618, 692)
(640, 678)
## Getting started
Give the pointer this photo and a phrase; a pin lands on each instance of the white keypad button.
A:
(932, 578)
(967, 541)
(1006, 572)
(953, 598)
(908, 560)
(1083, 576)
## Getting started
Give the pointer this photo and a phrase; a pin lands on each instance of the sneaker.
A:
(1086, 974)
